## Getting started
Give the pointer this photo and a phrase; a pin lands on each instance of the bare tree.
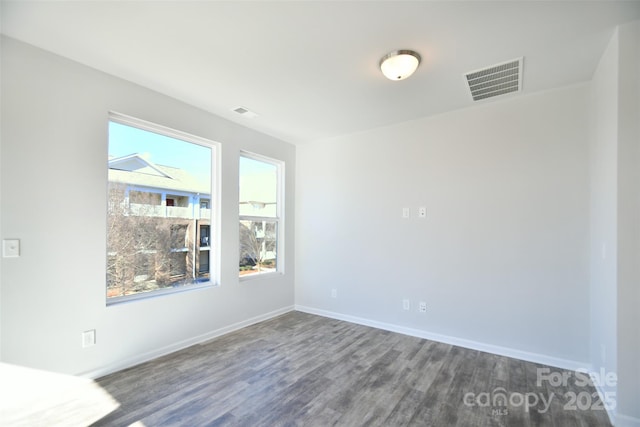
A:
(138, 246)
(257, 240)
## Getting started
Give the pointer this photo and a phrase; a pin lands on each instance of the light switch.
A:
(405, 212)
(88, 338)
(11, 248)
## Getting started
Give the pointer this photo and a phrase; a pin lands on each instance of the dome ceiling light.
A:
(399, 64)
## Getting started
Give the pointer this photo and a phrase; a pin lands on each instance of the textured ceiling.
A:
(310, 68)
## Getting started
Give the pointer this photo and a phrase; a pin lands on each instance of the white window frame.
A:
(279, 218)
(215, 228)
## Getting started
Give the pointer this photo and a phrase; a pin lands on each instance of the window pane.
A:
(258, 246)
(159, 204)
(258, 188)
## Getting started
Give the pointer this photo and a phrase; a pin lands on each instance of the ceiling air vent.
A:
(245, 112)
(496, 80)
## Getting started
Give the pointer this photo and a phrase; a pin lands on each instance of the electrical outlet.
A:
(334, 293)
(422, 212)
(406, 304)
(422, 308)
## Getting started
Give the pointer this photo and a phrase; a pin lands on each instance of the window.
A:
(159, 219)
(204, 236)
(260, 215)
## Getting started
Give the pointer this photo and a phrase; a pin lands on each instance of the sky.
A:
(160, 149)
(167, 151)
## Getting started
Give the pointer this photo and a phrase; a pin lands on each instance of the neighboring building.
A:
(160, 226)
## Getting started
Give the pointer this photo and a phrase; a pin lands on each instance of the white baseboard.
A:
(145, 357)
(626, 421)
(461, 342)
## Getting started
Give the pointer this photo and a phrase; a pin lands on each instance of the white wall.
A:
(615, 228)
(502, 258)
(628, 313)
(603, 209)
(54, 177)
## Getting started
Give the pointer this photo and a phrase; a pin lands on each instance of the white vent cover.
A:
(245, 112)
(496, 80)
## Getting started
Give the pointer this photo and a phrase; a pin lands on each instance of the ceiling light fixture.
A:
(399, 64)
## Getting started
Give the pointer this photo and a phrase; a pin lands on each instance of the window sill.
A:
(251, 277)
(159, 293)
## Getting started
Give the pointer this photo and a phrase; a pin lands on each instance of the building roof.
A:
(135, 170)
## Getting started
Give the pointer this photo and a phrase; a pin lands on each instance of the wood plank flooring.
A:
(304, 370)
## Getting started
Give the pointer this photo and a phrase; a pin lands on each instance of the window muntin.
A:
(160, 181)
(260, 226)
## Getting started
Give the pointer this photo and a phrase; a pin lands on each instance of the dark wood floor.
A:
(305, 370)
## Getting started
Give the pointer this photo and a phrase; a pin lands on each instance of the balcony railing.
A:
(178, 212)
(156, 211)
